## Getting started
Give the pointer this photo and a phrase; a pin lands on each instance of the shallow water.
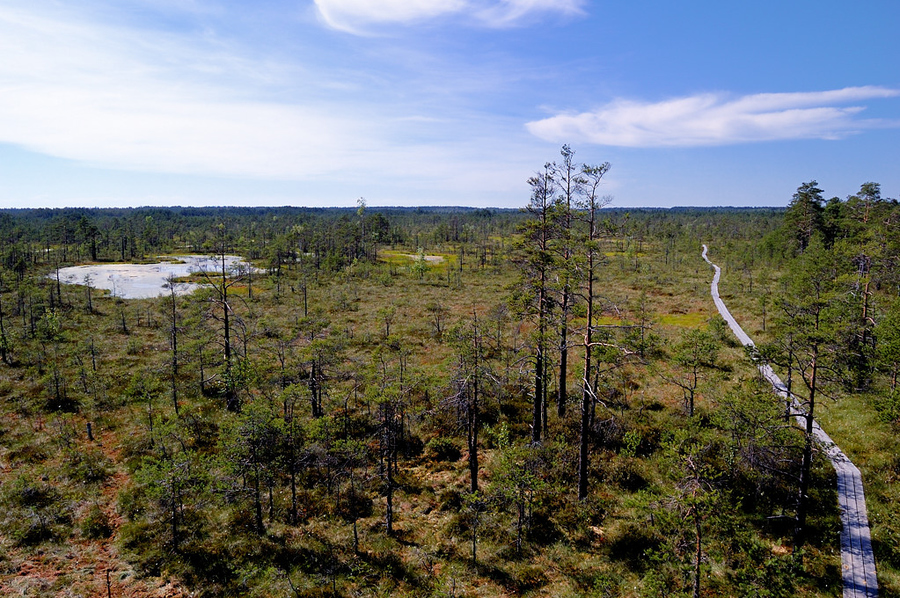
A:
(144, 281)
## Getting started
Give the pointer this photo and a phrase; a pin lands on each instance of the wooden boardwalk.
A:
(857, 559)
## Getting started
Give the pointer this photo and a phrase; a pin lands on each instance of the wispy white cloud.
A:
(137, 99)
(506, 13)
(356, 16)
(716, 119)
(102, 95)
(349, 14)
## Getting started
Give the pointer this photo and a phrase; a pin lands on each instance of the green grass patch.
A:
(691, 320)
(390, 256)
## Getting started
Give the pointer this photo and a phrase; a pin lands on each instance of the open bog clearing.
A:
(144, 281)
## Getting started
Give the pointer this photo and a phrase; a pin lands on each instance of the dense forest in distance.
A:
(448, 401)
(118, 234)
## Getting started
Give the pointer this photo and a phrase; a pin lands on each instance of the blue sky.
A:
(442, 102)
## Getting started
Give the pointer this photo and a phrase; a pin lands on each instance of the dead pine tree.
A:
(468, 387)
(171, 307)
(221, 281)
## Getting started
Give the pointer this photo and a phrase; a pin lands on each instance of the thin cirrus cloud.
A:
(356, 16)
(715, 119)
(133, 100)
(119, 98)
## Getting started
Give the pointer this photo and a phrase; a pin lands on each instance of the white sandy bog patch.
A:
(144, 281)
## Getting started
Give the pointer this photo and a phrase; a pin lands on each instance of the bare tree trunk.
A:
(4, 353)
(537, 416)
(562, 391)
(389, 512)
(586, 391)
(473, 418)
(174, 336)
(257, 501)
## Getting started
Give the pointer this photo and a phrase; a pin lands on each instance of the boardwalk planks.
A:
(857, 559)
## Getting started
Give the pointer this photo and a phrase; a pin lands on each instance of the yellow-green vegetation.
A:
(693, 320)
(332, 452)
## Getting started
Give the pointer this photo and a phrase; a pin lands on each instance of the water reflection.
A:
(143, 281)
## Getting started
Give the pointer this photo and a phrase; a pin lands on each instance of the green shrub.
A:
(625, 472)
(605, 585)
(34, 527)
(36, 512)
(718, 327)
(139, 541)
(96, 524)
(26, 453)
(132, 502)
(87, 467)
(28, 493)
(133, 346)
(135, 447)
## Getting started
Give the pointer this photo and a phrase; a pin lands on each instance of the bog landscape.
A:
(446, 401)
(449, 298)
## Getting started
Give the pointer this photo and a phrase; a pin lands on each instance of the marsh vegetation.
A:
(444, 402)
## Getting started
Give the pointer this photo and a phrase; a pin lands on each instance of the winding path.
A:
(857, 559)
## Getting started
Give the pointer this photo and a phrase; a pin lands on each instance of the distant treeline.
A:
(336, 236)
